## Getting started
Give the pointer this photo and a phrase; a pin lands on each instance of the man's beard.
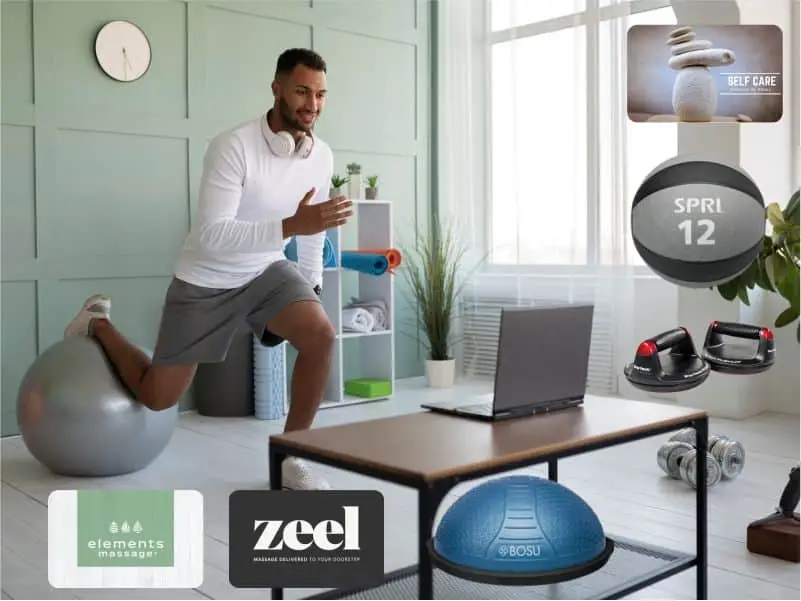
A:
(289, 120)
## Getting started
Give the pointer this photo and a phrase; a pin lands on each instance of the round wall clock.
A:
(122, 51)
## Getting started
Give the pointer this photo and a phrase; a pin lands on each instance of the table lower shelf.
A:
(632, 566)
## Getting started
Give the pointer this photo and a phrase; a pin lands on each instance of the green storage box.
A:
(368, 387)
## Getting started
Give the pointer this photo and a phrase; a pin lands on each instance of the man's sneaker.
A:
(296, 474)
(97, 306)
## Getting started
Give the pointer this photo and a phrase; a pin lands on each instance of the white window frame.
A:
(592, 28)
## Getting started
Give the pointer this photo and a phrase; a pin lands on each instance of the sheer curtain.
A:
(538, 162)
(463, 84)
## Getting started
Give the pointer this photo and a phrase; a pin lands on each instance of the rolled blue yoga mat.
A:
(365, 263)
(329, 257)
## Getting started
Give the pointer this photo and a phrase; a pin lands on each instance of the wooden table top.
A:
(429, 446)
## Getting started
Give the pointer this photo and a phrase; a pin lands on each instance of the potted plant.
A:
(776, 268)
(337, 181)
(371, 191)
(432, 270)
(354, 181)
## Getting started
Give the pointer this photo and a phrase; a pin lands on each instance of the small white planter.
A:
(355, 187)
(441, 374)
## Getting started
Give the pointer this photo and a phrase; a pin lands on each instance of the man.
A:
(263, 182)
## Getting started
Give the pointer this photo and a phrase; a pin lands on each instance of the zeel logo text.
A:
(300, 535)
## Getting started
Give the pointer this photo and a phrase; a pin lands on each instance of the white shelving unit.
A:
(357, 354)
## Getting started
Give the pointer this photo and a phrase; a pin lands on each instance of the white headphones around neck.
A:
(283, 144)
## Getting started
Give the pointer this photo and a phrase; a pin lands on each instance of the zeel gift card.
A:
(705, 73)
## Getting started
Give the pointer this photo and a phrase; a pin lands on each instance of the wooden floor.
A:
(624, 485)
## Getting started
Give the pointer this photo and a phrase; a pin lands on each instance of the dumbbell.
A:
(730, 454)
(678, 459)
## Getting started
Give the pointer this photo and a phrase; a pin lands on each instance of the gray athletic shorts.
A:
(198, 324)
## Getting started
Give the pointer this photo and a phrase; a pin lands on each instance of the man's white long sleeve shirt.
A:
(246, 191)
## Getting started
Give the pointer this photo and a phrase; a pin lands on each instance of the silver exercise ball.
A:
(77, 418)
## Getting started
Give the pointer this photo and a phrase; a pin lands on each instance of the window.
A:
(566, 159)
(538, 148)
(506, 14)
(645, 144)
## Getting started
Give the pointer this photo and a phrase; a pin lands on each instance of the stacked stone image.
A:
(695, 93)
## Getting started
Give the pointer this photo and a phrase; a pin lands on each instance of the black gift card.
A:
(280, 538)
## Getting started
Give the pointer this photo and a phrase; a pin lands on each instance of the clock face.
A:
(122, 51)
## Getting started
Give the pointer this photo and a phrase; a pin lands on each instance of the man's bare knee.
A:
(164, 385)
(318, 337)
(305, 326)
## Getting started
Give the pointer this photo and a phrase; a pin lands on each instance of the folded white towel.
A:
(376, 308)
(357, 319)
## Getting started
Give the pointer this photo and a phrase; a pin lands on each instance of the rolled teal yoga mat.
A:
(365, 263)
(329, 257)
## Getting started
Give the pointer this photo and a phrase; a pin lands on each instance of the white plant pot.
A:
(355, 187)
(695, 95)
(441, 374)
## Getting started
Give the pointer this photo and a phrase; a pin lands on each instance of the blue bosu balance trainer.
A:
(520, 530)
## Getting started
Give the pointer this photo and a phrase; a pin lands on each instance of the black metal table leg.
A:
(701, 443)
(276, 459)
(429, 499)
(426, 510)
(553, 470)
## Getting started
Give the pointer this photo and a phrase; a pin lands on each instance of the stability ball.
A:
(520, 530)
(78, 419)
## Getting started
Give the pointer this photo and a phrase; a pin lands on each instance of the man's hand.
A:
(315, 218)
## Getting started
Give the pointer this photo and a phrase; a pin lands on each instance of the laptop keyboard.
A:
(478, 408)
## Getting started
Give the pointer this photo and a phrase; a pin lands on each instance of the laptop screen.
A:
(543, 355)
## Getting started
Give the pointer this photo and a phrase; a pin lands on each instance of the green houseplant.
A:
(371, 191)
(432, 269)
(776, 268)
(337, 181)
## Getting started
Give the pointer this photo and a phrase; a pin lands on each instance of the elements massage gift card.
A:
(125, 539)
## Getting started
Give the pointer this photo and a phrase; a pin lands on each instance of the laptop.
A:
(542, 363)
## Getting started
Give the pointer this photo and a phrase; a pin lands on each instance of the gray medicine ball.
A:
(698, 222)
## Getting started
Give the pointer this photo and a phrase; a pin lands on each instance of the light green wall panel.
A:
(298, 10)
(17, 194)
(17, 344)
(17, 63)
(67, 75)
(113, 194)
(244, 62)
(375, 16)
(103, 176)
(372, 92)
